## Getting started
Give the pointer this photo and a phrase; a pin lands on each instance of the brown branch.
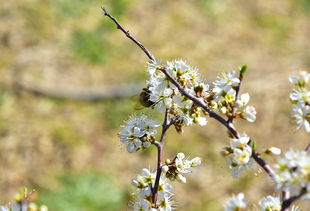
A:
(285, 195)
(260, 161)
(159, 146)
(288, 202)
(126, 32)
(166, 125)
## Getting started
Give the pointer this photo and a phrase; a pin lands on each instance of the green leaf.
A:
(243, 69)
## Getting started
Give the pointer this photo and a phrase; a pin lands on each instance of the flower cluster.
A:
(236, 203)
(144, 183)
(224, 96)
(300, 97)
(238, 155)
(294, 172)
(180, 165)
(138, 133)
(164, 94)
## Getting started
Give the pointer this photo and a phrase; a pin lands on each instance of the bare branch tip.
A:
(104, 10)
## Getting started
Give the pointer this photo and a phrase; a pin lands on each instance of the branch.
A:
(159, 145)
(260, 161)
(196, 100)
(126, 32)
(288, 202)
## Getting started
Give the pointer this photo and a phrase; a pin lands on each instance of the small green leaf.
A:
(243, 69)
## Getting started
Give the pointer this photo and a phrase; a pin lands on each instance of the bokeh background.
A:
(54, 51)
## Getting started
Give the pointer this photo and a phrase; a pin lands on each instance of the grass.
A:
(89, 191)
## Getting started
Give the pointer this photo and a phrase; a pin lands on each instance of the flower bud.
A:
(202, 121)
(223, 110)
(199, 89)
(273, 151)
(135, 183)
(168, 161)
(146, 144)
(195, 162)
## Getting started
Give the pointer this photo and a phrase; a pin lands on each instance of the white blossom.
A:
(137, 132)
(225, 81)
(179, 166)
(143, 183)
(300, 97)
(270, 203)
(185, 166)
(142, 205)
(301, 79)
(243, 99)
(239, 155)
(293, 172)
(249, 113)
(236, 203)
(301, 116)
(152, 66)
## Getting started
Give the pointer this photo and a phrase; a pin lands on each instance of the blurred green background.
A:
(68, 150)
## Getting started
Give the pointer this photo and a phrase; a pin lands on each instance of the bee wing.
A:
(138, 106)
(136, 98)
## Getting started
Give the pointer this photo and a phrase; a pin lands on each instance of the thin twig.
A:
(126, 32)
(260, 161)
(159, 145)
(285, 195)
(288, 202)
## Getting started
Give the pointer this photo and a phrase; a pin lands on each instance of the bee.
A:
(143, 99)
